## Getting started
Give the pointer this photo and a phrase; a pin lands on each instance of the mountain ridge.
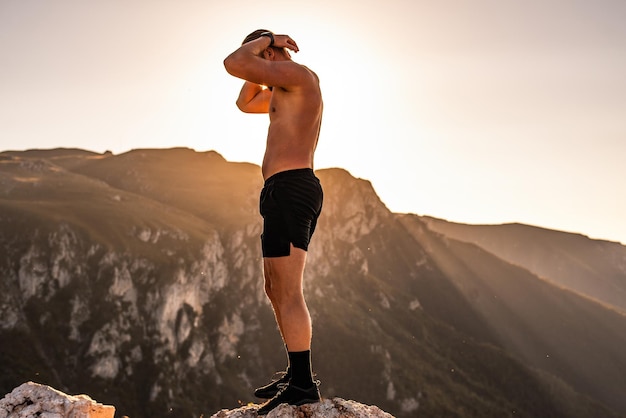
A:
(595, 268)
(136, 277)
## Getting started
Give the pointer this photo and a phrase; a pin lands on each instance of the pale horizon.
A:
(481, 113)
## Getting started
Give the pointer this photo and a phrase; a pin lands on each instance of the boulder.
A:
(328, 408)
(35, 400)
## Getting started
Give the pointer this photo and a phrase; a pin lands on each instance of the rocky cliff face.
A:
(137, 279)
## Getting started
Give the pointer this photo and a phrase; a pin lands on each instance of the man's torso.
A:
(295, 119)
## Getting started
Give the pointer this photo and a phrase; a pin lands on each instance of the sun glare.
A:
(429, 105)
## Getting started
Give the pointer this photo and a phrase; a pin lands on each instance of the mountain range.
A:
(137, 279)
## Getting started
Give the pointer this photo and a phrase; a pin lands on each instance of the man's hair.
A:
(255, 35)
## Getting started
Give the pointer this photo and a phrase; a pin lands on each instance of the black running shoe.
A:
(291, 395)
(271, 389)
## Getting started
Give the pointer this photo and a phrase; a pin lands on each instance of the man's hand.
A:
(285, 41)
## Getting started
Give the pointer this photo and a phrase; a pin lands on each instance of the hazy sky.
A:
(481, 111)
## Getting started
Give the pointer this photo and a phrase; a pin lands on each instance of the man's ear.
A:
(268, 54)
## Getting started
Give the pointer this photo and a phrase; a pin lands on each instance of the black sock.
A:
(300, 365)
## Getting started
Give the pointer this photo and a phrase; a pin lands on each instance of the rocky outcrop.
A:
(329, 408)
(35, 400)
(138, 279)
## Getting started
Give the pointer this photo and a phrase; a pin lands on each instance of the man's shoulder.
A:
(310, 71)
(298, 77)
(311, 79)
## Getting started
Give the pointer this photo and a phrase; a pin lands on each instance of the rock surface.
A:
(35, 400)
(328, 408)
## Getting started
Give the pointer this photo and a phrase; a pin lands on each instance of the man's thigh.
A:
(286, 272)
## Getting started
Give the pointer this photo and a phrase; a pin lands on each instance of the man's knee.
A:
(280, 292)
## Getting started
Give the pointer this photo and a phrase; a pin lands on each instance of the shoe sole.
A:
(265, 395)
(298, 403)
(305, 401)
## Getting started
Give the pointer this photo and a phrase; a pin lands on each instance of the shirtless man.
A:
(291, 199)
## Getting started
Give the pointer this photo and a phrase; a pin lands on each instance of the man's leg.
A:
(272, 269)
(285, 276)
(269, 391)
(272, 298)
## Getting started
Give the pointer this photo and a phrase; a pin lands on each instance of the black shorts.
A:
(291, 202)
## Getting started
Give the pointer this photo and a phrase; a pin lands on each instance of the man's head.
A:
(272, 52)
(255, 35)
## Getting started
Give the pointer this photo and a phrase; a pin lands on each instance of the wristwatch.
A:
(269, 35)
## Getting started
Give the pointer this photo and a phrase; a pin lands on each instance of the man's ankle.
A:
(300, 365)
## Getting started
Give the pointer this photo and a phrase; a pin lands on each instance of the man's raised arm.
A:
(246, 59)
(265, 61)
(254, 98)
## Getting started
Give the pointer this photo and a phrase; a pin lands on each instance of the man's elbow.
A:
(232, 65)
(241, 106)
(228, 64)
(249, 108)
